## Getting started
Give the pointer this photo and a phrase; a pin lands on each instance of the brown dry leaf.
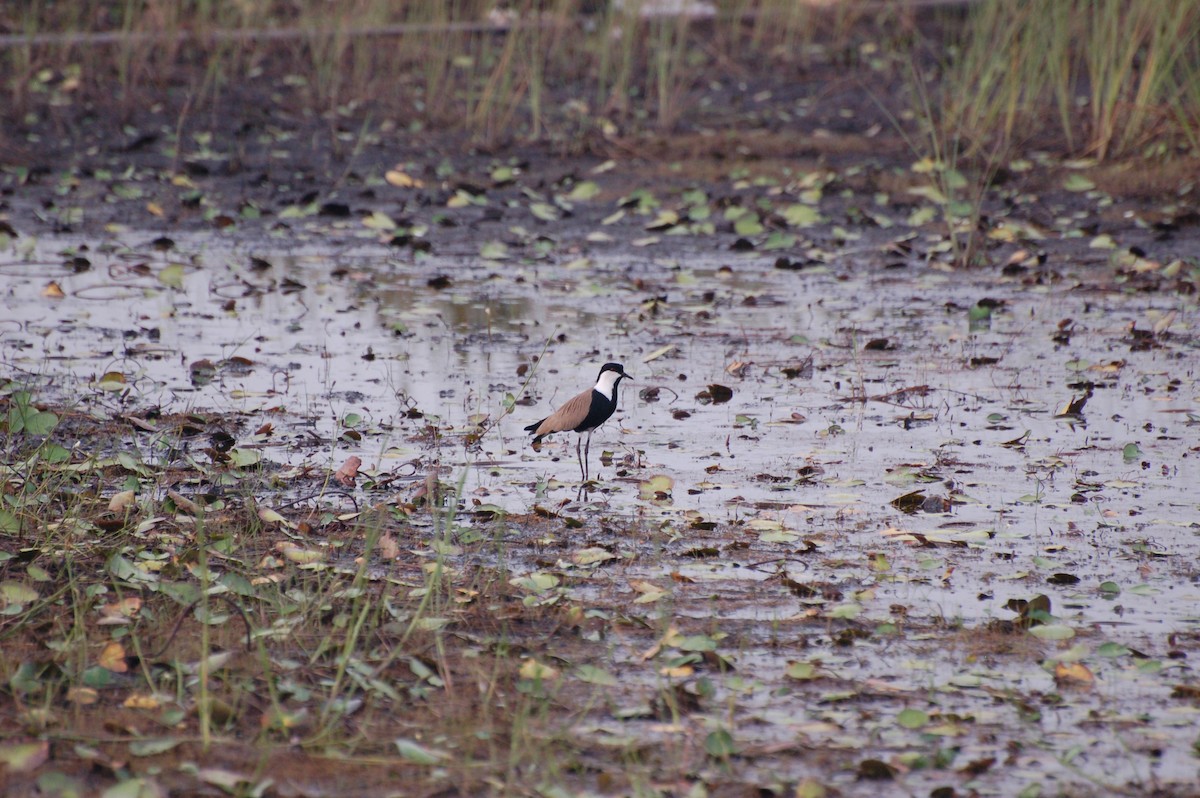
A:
(112, 658)
(654, 650)
(120, 501)
(738, 368)
(902, 535)
(1075, 405)
(1166, 321)
(349, 470)
(650, 591)
(83, 695)
(183, 504)
(53, 290)
(120, 612)
(1111, 367)
(388, 548)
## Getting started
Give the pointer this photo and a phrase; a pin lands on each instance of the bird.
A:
(584, 412)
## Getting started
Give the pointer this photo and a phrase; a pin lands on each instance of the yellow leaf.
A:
(269, 516)
(154, 209)
(120, 612)
(302, 556)
(83, 695)
(23, 757)
(680, 672)
(111, 381)
(120, 501)
(139, 701)
(532, 669)
(1073, 672)
(53, 290)
(112, 658)
(402, 179)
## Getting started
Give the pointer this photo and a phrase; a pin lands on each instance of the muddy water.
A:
(967, 412)
(851, 387)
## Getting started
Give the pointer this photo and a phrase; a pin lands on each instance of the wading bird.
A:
(585, 412)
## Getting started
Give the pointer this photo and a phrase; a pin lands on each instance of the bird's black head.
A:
(617, 367)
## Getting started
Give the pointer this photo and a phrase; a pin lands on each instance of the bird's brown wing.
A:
(568, 417)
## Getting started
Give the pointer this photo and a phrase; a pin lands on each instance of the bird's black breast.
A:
(602, 408)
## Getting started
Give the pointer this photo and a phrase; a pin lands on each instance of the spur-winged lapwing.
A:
(584, 412)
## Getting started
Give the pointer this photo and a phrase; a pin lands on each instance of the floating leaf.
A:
(846, 611)
(17, 593)
(494, 250)
(537, 671)
(592, 556)
(802, 671)
(153, 746)
(1052, 632)
(594, 675)
(538, 582)
(583, 191)
(779, 536)
(22, 757)
(379, 221)
(799, 215)
(748, 225)
(1079, 183)
(696, 643)
(172, 275)
(419, 754)
(719, 743)
(135, 788)
(657, 487)
(244, 458)
(777, 240)
(1113, 650)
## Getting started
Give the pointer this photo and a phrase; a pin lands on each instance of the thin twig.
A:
(188, 609)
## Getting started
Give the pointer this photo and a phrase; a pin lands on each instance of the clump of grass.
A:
(523, 74)
(1106, 76)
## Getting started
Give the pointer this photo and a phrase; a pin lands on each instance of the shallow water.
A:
(1038, 502)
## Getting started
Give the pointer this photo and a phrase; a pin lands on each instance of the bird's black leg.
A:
(582, 469)
(587, 451)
